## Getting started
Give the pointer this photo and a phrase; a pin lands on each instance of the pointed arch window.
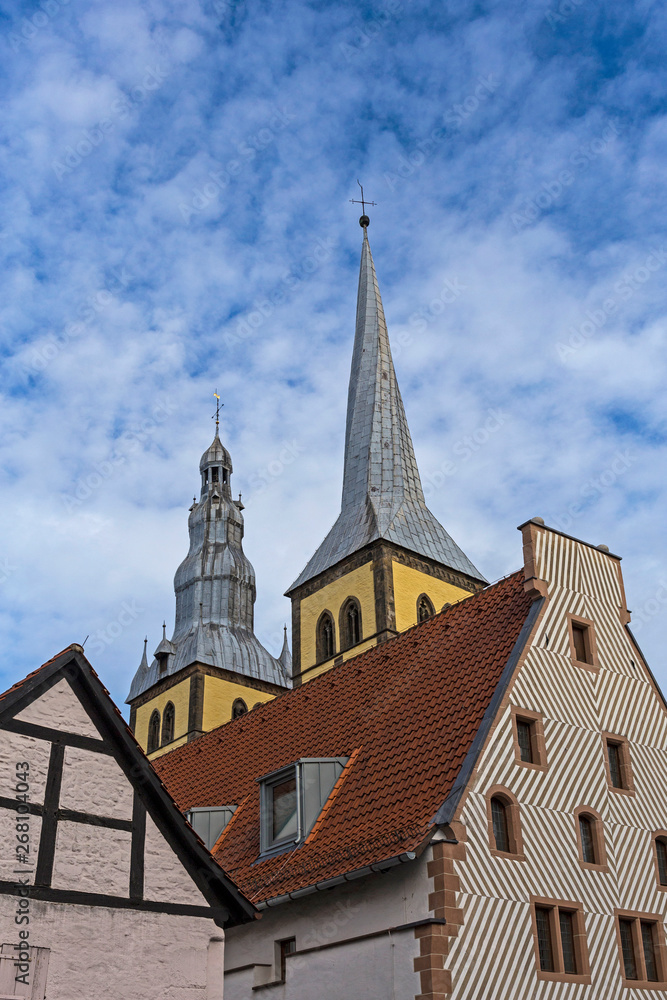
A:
(239, 708)
(153, 741)
(425, 608)
(350, 623)
(326, 637)
(168, 720)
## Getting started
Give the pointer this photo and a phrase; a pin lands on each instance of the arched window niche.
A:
(239, 708)
(153, 741)
(590, 838)
(425, 608)
(504, 824)
(168, 723)
(325, 637)
(350, 623)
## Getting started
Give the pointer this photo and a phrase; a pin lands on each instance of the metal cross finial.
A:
(217, 411)
(364, 221)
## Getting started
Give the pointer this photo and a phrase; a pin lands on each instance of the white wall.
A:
(110, 954)
(355, 969)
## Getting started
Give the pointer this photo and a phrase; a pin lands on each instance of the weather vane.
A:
(364, 221)
(216, 417)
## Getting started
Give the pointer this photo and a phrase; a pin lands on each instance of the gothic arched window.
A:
(168, 719)
(239, 708)
(350, 623)
(153, 732)
(425, 608)
(326, 637)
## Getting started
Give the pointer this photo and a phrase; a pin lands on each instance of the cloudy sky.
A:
(176, 177)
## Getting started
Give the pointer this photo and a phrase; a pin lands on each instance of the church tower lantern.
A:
(387, 563)
(214, 668)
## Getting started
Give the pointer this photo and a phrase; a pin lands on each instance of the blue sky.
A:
(176, 218)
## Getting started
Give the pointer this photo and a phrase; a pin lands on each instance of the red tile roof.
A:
(405, 713)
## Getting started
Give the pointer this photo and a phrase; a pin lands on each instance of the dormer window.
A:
(292, 799)
(210, 822)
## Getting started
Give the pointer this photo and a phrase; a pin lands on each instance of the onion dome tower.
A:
(214, 668)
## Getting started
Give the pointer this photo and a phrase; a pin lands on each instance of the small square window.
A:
(582, 642)
(642, 949)
(560, 941)
(529, 747)
(617, 763)
(659, 841)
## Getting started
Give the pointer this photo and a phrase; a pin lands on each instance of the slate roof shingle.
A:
(406, 713)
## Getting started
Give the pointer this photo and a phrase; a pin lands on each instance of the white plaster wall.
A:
(105, 954)
(165, 878)
(8, 843)
(59, 708)
(377, 968)
(94, 783)
(362, 906)
(15, 748)
(92, 859)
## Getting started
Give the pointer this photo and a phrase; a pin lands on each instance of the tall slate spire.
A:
(382, 492)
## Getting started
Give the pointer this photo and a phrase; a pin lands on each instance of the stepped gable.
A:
(405, 713)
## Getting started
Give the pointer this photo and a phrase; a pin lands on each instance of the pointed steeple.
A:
(382, 492)
(285, 656)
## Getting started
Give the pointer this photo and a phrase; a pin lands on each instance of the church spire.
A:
(382, 492)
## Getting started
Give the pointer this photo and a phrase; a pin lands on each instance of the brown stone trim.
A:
(658, 835)
(364, 555)
(597, 824)
(511, 803)
(580, 943)
(296, 639)
(536, 720)
(208, 670)
(626, 764)
(591, 662)
(196, 707)
(353, 561)
(431, 568)
(434, 939)
(383, 584)
(642, 983)
(534, 587)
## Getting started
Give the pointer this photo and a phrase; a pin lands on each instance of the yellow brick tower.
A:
(387, 563)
